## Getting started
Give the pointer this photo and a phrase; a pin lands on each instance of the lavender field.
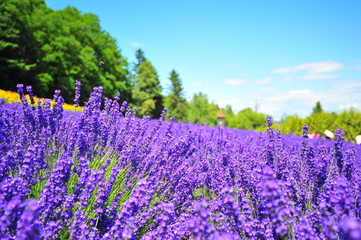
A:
(105, 174)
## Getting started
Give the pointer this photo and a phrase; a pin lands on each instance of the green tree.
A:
(51, 49)
(248, 119)
(139, 54)
(72, 47)
(318, 108)
(350, 122)
(17, 52)
(175, 100)
(319, 122)
(146, 92)
(292, 124)
(201, 110)
(228, 115)
(140, 57)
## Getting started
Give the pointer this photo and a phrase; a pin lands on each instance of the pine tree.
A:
(318, 108)
(146, 93)
(139, 54)
(175, 100)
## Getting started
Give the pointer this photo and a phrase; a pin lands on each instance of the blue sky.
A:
(284, 55)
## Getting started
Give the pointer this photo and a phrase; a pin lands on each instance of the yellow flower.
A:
(13, 97)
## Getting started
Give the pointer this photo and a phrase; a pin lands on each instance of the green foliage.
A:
(248, 119)
(292, 124)
(139, 54)
(350, 122)
(321, 121)
(73, 46)
(200, 110)
(318, 108)
(146, 93)
(17, 54)
(51, 49)
(175, 101)
(228, 115)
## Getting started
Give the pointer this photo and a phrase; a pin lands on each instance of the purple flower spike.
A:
(269, 121)
(77, 93)
(305, 131)
(117, 96)
(20, 88)
(21, 94)
(199, 224)
(56, 95)
(27, 227)
(29, 89)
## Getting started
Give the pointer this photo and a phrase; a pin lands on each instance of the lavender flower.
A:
(269, 121)
(199, 182)
(77, 93)
(199, 225)
(29, 89)
(350, 229)
(20, 88)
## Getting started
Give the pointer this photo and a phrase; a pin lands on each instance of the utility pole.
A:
(256, 106)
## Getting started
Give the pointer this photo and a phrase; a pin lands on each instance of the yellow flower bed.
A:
(13, 97)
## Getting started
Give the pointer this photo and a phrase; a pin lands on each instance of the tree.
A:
(200, 110)
(350, 122)
(175, 100)
(51, 49)
(292, 124)
(248, 119)
(17, 52)
(139, 54)
(146, 93)
(228, 115)
(73, 46)
(318, 108)
(319, 122)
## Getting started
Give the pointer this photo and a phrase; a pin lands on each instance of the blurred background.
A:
(298, 61)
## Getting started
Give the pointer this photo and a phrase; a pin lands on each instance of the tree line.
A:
(50, 49)
(319, 121)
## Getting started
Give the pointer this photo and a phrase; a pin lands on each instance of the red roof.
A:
(220, 114)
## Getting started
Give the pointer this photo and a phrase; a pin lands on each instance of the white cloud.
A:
(264, 80)
(201, 84)
(234, 81)
(319, 76)
(299, 101)
(309, 77)
(237, 104)
(348, 84)
(340, 96)
(313, 67)
(298, 92)
(135, 44)
(268, 89)
(279, 103)
(348, 106)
